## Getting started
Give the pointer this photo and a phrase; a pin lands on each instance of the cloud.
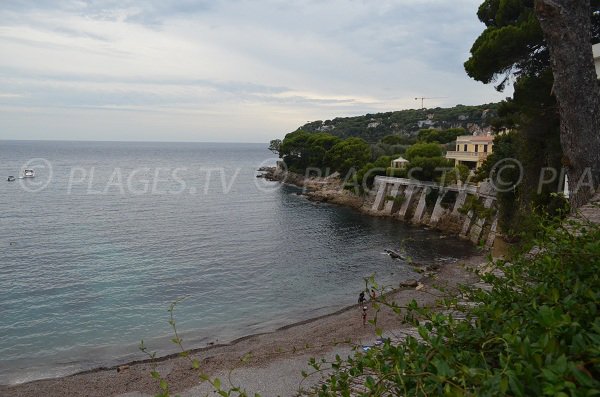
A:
(247, 70)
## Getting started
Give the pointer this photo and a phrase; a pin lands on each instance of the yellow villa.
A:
(471, 150)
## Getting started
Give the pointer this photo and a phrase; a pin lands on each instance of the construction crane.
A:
(432, 97)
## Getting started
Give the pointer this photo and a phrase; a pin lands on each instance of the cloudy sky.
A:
(225, 71)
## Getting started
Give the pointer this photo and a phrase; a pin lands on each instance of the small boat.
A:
(11, 178)
(28, 174)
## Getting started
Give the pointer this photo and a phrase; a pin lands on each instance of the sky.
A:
(225, 71)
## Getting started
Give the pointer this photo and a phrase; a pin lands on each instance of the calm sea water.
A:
(96, 247)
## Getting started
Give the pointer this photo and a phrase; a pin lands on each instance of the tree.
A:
(274, 145)
(348, 154)
(511, 45)
(567, 28)
(440, 136)
(429, 168)
(513, 48)
(423, 149)
(300, 149)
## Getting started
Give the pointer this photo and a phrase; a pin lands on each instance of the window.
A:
(465, 148)
(484, 148)
(457, 148)
(476, 148)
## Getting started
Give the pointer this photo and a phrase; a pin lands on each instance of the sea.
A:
(96, 248)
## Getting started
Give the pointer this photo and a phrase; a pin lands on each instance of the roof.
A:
(401, 159)
(476, 138)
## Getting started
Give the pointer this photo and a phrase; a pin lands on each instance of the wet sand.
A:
(274, 360)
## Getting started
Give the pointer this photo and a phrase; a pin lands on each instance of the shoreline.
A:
(288, 346)
(227, 354)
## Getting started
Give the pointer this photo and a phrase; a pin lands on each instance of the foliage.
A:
(449, 199)
(382, 149)
(535, 332)
(397, 140)
(275, 145)
(367, 173)
(429, 168)
(404, 123)
(396, 172)
(351, 153)
(460, 173)
(474, 205)
(431, 197)
(423, 149)
(163, 384)
(511, 44)
(301, 149)
(512, 48)
(535, 144)
(399, 199)
(441, 136)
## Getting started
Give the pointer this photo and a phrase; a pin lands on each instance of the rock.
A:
(122, 368)
(422, 268)
(409, 283)
(433, 267)
(395, 255)
(419, 287)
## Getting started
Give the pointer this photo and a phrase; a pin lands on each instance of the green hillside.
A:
(373, 127)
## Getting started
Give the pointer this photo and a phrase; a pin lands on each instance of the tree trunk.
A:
(567, 29)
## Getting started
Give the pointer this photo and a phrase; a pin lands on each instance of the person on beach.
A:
(364, 315)
(373, 294)
(361, 298)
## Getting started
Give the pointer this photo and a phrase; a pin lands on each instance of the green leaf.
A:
(163, 384)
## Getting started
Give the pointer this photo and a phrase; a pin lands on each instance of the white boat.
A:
(28, 174)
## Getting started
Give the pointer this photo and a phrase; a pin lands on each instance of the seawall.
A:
(467, 211)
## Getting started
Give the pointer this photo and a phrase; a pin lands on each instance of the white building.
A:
(400, 162)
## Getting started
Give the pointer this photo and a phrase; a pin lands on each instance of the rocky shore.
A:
(319, 189)
(424, 204)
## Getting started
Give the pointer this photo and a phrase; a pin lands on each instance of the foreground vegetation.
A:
(535, 332)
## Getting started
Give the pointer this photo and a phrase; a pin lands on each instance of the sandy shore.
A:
(275, 360)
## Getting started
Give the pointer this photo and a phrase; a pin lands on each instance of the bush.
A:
(397, 172)
(429, 168)
(423, 150)
(535, 332)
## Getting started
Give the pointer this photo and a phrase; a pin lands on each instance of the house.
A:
(400, 162)
(425, 123)
(471, 150)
